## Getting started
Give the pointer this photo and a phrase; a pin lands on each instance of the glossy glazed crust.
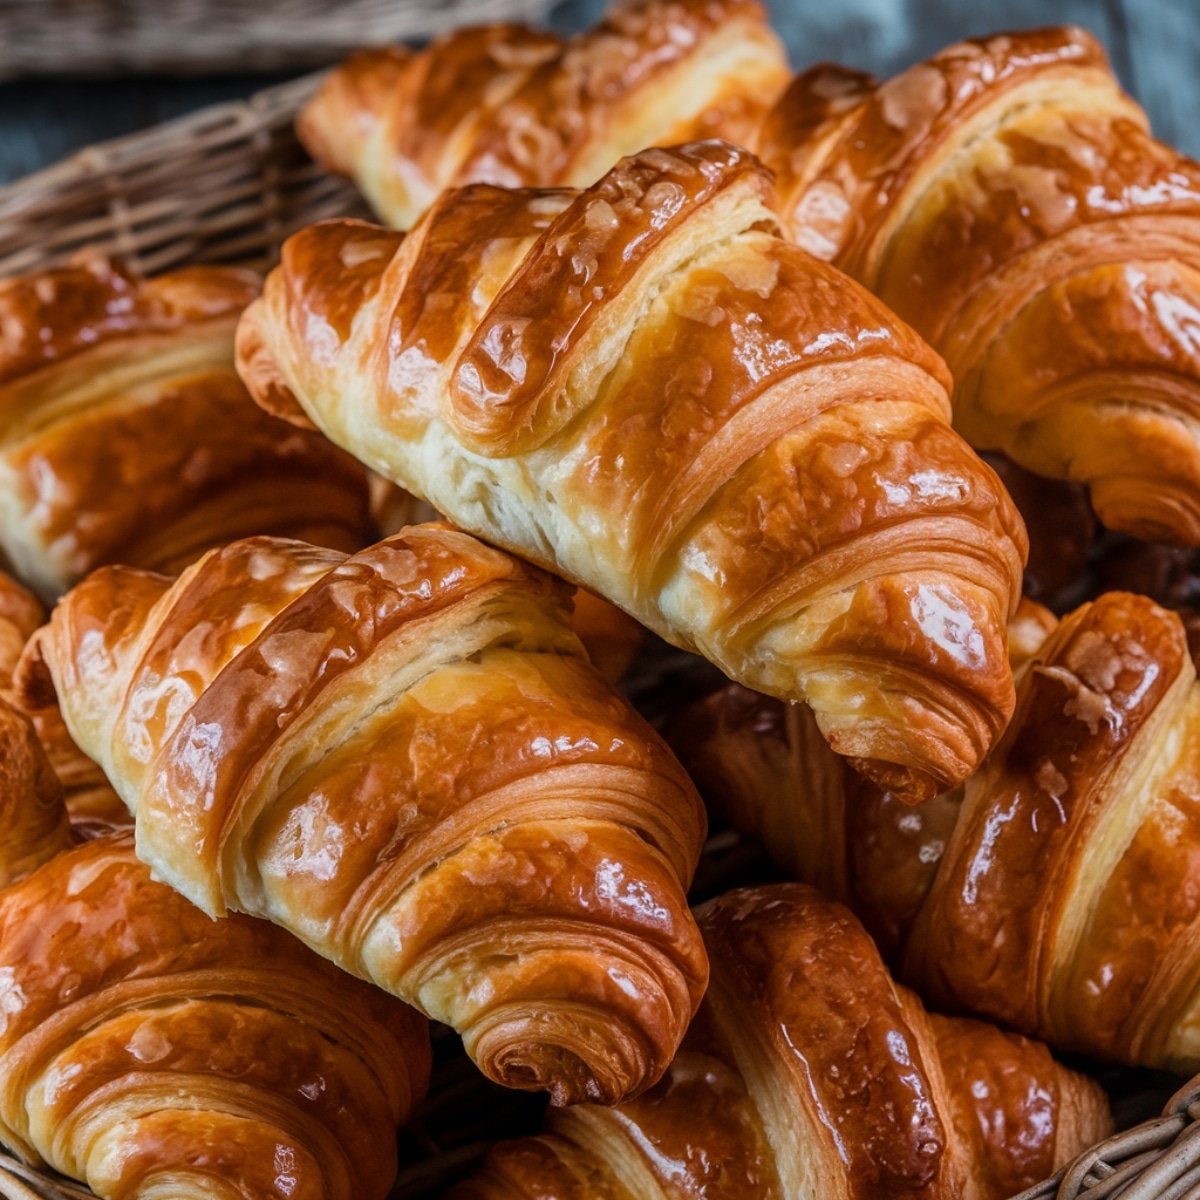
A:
(89, 796)
(643, 389)
(146, 1047)
(128, 437)
(763, 767)
(33, 818)
(514, 107)
(1007, 199)
(1059, 892)
(404, 758)
(809, 1073)
(1068, 900)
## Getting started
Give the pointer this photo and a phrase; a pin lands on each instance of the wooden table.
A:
(1155, 45)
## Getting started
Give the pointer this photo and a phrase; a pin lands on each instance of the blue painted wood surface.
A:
(1155, 45)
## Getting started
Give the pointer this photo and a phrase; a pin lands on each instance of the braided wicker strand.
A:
(1157, 1160)
(92, 36)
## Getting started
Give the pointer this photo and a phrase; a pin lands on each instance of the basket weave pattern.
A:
(228, 184)
(1157, 1160)
(101, 36)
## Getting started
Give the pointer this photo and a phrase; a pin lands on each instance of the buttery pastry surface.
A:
(127, 436)
(1007, 198)
(1056, 892)
(763, 767)
(514, 107)
(149, 1051)
(809, 1073)
(404, 758)
(645, 390)
(89, 796)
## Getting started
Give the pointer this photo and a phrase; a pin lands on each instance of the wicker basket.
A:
(227, 185)
(56, 37)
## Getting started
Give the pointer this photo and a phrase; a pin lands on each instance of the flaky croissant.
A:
(89, 796)
(149, 1051)
(1068, 898)
(808, 1073)
(764, 768)
(1059, 891)
(1007, 198)
(404, 758)
(507, 105)
(644, 389)
(126, 436)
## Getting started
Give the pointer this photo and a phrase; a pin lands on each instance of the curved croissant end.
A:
(404, 758)
(98, 367)
(149, 1051)
(1079, 842)
(33, 818)
(514, 107)
(1007, 199)
(88, 796)
(763, 766)
(721, 435)
(809, 1073)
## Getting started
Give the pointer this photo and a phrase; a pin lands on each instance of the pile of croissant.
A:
(882, 398)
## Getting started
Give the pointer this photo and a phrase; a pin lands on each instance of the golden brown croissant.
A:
(644, 389)
(763, 767)
(1059, 892)
(149, 1051)
(128, 437)
(808, 1073)
(1068, 899)
(1007, 199)
(89, 796)
(507, 105)
(404, 758)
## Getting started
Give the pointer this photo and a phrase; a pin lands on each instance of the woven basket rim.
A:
(89, 37)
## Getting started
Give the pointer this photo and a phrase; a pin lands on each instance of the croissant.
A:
(89, 797)
(404, 758)
(719, 434)
(809, 1073)
(507, 105)
(1068, 898)
(148, 1051)
(764, 768)
(1007, 198)
(1059, 892)
(126, 435)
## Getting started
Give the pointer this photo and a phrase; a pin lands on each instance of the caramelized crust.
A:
(90, 799)
(127, 435)
(510, 106)
(763, 767)
(1059, 891)
(33, 819)
(644, 390)
(1068, 901)
(147, 1050)
(404, 758)
(809, 1073)
(1007, 199)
